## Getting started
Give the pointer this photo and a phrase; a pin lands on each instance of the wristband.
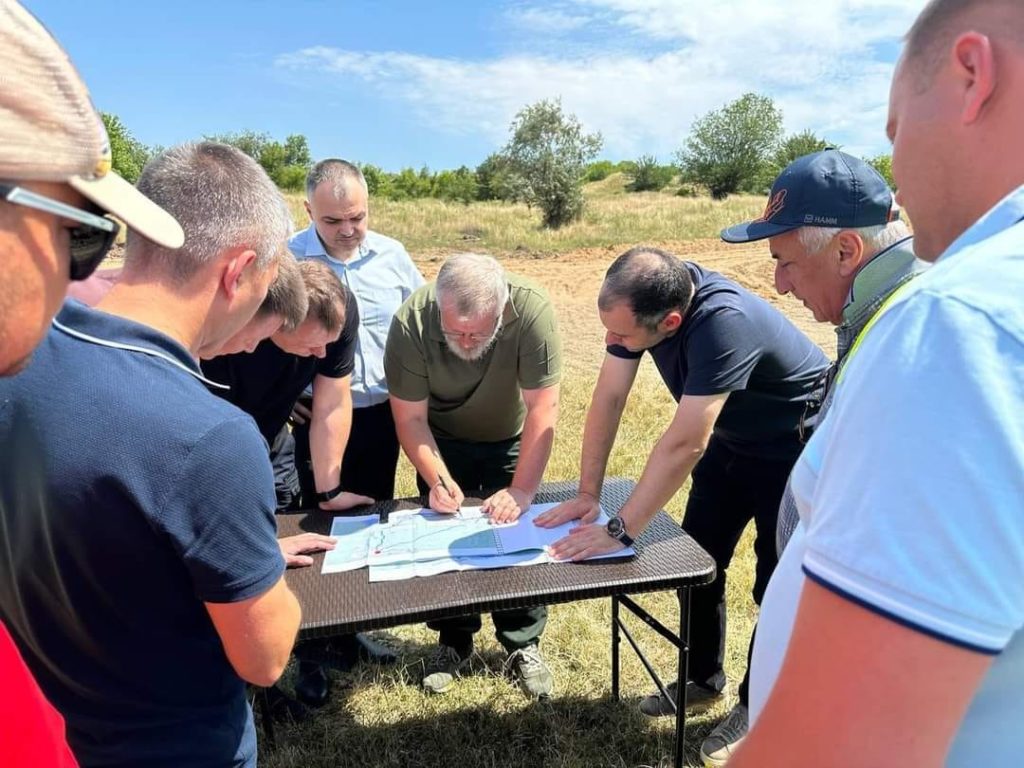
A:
(323, 498)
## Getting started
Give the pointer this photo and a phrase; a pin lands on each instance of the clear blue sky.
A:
(407, 83)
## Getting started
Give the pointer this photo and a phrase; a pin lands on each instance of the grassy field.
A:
(612, 217)
(378, 716)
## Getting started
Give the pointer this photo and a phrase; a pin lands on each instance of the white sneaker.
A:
(722, 742)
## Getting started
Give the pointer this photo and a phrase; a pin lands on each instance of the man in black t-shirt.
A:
(266, 383)
(743, 376)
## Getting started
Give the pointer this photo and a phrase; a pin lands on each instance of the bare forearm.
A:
(328, 438)
(421, 448)
(599, 433)
(667, 468)
(535, 447)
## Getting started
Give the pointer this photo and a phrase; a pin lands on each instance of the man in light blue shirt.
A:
(378, 270)
(891, 630)
(379, 273)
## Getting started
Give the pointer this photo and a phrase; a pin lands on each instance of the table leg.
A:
(684, 672)
(616, 640)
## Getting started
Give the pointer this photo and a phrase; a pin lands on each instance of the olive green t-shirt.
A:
(479, 400)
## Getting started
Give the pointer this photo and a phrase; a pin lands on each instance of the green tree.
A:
(797, 145)
(458, 185)
(495, 180)
(727, 148)
(883, 164)
(128, 154)
(599, 170)
(285, 163)
(648, 176)
(548, 154)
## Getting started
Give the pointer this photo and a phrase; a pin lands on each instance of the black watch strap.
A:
(617, 530)
(326, 496)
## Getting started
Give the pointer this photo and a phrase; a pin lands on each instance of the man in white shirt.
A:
(890, 633)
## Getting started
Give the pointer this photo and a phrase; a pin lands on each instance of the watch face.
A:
(615, 526)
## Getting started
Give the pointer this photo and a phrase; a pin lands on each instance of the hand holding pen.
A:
(445, 495)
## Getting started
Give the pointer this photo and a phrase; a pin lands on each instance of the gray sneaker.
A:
(529, 670)
(443, 666)
(722, 742)
(698, 699)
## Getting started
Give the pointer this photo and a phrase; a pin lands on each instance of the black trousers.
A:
(371, 457)
(480, 469)
(728, 491)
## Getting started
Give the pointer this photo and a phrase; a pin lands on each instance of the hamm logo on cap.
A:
(774, 206)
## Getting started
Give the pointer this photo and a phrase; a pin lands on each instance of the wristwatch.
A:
(617, 530)
(323, 498)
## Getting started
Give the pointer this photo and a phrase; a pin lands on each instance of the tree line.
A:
(740, 147)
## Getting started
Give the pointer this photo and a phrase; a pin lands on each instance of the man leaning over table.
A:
(473, 364)
(743, 376)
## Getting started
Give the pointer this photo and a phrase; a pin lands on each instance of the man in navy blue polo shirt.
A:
(142, 579)
(742, 375)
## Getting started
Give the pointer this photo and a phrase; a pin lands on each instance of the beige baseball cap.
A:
(50, 130)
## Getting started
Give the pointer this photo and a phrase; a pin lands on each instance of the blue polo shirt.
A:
(382, 276)
(129, 497)
(734, 341)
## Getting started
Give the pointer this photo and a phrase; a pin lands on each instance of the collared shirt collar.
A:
(1005, 213)
(315, 247)
(103, 329)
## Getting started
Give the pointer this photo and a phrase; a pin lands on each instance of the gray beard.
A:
(472, 355)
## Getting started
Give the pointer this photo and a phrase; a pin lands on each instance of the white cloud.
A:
(817, 58)
(539, 20)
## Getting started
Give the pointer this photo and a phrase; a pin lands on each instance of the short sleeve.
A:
(405, 365)
(617, 350)
(722, 349)
(540, 345)
(220, 516)
(919, 475)
(341, 354)
(413, 277)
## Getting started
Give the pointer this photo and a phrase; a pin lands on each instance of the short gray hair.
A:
(340, 173)
(476, 285)
(221, 197)
(814, 240)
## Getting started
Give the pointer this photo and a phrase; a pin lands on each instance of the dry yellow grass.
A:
(611, 218)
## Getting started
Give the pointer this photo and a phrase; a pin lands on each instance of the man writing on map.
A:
(473, 364)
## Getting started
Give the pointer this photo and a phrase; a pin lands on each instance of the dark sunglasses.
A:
(90, 242)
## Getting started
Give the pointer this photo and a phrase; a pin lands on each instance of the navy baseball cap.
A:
(823, 189)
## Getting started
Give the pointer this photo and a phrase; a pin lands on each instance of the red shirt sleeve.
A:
(31, 730)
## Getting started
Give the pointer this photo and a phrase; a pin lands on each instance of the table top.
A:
(341, 603)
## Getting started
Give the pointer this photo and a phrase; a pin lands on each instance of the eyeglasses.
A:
(476, 338)
(90, 242)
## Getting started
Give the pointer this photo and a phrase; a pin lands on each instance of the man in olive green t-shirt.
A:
(473, 363)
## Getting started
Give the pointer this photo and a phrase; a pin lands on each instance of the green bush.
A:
(599, 171)
(648, 176)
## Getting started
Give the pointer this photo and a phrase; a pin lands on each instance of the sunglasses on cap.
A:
(90, 241)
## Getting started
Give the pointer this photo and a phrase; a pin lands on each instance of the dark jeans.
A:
(728, 490)
(286, 476)
(371, 457)
(480, 469)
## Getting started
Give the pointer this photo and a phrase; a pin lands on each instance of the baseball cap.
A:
(823, 189)
(50, 130)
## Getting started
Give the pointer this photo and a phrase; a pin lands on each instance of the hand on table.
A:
(584, 508)
(585, 541)
(294, 547)
(343, 501)
(507, 505)
(446, 500)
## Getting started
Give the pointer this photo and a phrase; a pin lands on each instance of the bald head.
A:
(930, 40)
